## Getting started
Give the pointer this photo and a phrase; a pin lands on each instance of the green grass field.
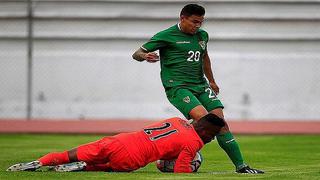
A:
(282, 157)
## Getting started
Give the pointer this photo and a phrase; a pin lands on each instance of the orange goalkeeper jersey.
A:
(169, 139)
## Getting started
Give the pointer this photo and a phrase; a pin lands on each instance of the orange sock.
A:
(55, 158)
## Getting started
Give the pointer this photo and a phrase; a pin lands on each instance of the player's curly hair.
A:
(192, 9)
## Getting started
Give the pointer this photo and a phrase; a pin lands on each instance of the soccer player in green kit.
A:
(184, 64)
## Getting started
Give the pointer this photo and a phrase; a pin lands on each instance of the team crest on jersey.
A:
(202, 44)
(186, 99)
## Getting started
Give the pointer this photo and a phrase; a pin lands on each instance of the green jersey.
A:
(181, 55)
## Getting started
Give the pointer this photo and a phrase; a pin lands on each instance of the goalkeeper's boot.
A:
(249, 170)
(71, 167)
(29, 166)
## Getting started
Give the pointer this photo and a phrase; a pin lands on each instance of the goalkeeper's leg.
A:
(54, 158)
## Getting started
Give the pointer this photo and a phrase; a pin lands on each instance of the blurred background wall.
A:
(265, 57)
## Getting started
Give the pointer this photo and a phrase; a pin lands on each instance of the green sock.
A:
(231, 147)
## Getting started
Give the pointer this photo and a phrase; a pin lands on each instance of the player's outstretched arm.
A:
(182, 164)
(141, 55)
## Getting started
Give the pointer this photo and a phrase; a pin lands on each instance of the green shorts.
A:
(185, 98)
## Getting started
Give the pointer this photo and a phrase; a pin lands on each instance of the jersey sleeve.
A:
(206, 39)
(183, 162)
(155, 43)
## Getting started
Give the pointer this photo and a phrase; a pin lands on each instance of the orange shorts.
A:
(107, 150)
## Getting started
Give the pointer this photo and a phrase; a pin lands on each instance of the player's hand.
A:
(214, 87)
(151, 57)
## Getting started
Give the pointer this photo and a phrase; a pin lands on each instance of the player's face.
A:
(210, 132)
(207, 137)
(191, 24)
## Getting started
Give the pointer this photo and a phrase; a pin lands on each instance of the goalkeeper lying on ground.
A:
(169, 139)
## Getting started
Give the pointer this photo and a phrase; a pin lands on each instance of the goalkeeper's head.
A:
(208, 127)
